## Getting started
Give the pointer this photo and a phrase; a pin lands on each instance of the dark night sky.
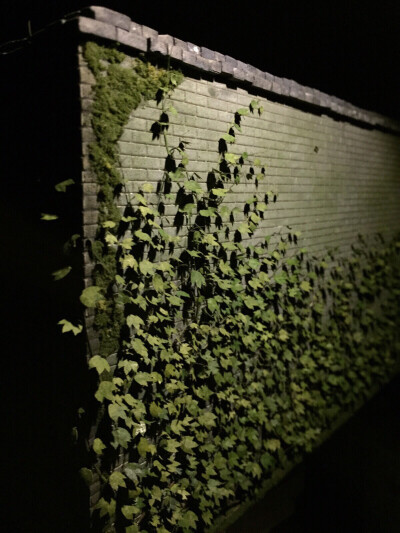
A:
(350, 50)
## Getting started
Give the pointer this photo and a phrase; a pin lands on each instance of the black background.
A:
(350, 49)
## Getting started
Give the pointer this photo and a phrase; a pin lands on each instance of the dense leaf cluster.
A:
(231, 358)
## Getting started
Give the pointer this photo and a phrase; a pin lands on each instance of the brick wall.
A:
(335, 168)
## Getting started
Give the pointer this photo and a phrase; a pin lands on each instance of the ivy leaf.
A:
(105, 391)
(129, 261)
(135, 321)
(146, 267)
(134, 471)
(207, 419)
(47, 216)
(158, 283)
(86, 475)
(67, 326)
(273, 445)
(219, 192)
(121, 438)
(142, 378)
(128, 366)
(98, 446)
(193, 186)
(145, 447)
(172, 445)
(156, 410)
(99, 363)
(231, 158)
(212, 305)
(188, 208)
(62, 185)
(105, 507)
(188, 444)
(280, 278)
(60, 274)
(283, 335)
(91, 296)
(243, 111)
(148, 187)
(132, 529)
(139, 347)
(189, 520)
(116, 411)
(228, 138)
(117, 479)
(109, 224)
(267, 460)
(305, 286)
(129, 511)
(207, 212)
(197, 278)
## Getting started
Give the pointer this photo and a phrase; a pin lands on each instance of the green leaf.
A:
(142, 378)
(117, 479)
(121, 438)
(98, 446)
(228, 138)
(148, 187)
(158, 283)
(91, 296)
(62, 185)
(86, 475)
(109, 224)
(273, 445)
(146, 267)
(280, 278)
(197, 278)
(283, 335)
(267, 460)
(212, 305)
(207, 212)
(193, 186)
(243, 111)
(132, 529)
(172, 445)
(135, 321)
(116, 411)
(139, 347)
(207, 419)
(99, 363)
(60, 274)
(105, 391)
(219, 192)
(188, 444)
(67, 326)
(189, 520)
(188, 208)
(231, 158)
(305, 286)
(47, 216)
(145, 447)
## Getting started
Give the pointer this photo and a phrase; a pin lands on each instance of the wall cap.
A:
(108, 24)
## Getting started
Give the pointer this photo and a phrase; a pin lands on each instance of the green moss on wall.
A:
(118, 91)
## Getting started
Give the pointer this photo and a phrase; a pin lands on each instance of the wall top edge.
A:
(108, 24)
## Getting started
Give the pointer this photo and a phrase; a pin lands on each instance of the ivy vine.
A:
(231, 358)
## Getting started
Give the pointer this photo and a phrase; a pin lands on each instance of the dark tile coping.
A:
(107, 24)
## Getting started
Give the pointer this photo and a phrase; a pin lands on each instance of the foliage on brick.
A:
(231, 360)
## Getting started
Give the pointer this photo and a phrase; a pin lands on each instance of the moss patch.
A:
(119, 90)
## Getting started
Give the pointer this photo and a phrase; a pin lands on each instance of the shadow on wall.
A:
(42, 373)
